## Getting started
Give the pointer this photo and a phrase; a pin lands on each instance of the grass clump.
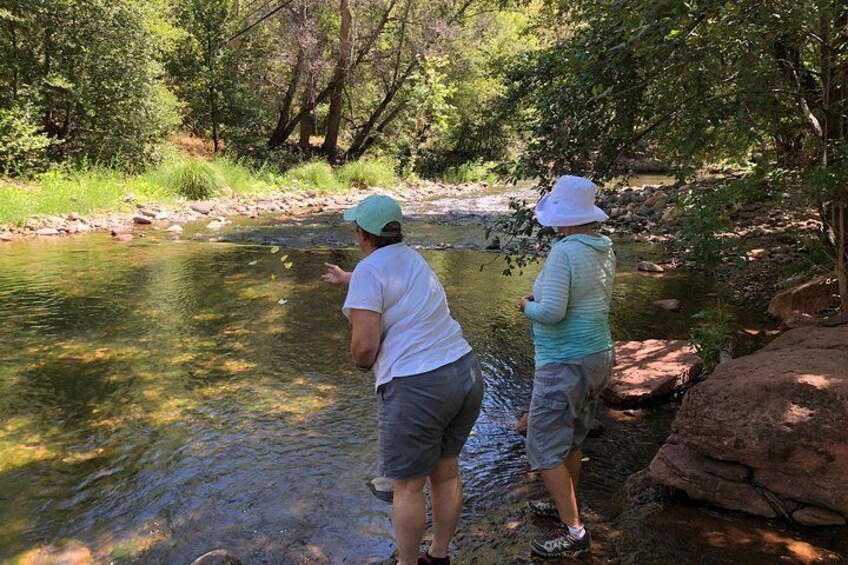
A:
(317, 175)
(470, 173)
(367, 174)
(195, 180)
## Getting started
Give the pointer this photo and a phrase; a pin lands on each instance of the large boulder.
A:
(765, 434)
(646, 371)
(797, 306)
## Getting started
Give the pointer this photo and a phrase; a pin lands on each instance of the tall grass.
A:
(92, 189)
(315, 175)
(367, 174)
(97, 189)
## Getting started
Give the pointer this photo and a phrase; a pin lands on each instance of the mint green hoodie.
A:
(570, 313)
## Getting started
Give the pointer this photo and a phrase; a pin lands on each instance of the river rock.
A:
(122, 229)
(217, 557)
(202, 207)
(217, 224)
(649, 267)
(140, 220)
(670, 304)
(63, 552)
(815, 516)
(6, 236)
(176, 229)
(780, 414)
(646, 371)
(796, 306)
(47, 232)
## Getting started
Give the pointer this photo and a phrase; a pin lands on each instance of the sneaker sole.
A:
(572, 554)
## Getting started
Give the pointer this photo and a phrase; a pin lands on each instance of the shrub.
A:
(365, 174)
(710, 334)
(317, 175)
(472, 172)
(22, 146)
(195, 180)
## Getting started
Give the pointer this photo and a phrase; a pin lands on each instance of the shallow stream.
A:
(160, 398)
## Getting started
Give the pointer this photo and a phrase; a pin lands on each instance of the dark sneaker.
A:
(545, 508)
(427, 559)
(562, 545)
(381, 487)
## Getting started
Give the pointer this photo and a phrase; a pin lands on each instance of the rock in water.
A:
(646, 371)
(649, 267)
(671, 304)
(217, 557)
(47, 231)
(765, 434)
(202, 207)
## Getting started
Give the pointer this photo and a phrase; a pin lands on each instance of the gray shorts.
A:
(427, 417)
(565, 398)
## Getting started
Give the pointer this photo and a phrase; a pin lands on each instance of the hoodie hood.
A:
(601, 242)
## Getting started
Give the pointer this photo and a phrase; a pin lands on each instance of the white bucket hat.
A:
(570, 203)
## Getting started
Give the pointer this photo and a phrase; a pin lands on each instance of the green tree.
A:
(690, 82)
(90, 71)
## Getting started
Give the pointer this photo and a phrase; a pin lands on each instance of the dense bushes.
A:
(22, 145)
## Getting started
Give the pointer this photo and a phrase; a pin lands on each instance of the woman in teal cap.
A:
(569, 312)
(428, 381)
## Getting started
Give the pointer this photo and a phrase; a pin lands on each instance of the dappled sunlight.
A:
(820, 382)
(166, 401)
(796, 414)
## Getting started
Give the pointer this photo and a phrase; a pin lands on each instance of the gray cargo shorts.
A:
(565, 399)
(427, 417)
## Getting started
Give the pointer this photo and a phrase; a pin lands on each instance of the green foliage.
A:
(89, 70)
(22, 145)
(710, 333)
(367, 173)
(686, 82)
(315, 175)
(195, 180)
(701, 233)
(470, 173)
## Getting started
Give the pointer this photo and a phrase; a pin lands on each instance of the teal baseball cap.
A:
(374, 213)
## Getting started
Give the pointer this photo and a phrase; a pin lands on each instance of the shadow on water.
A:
(157, 400)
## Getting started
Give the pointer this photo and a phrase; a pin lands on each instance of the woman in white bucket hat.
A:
(569, 314)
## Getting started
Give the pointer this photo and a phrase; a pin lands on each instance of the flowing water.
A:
(159, 399)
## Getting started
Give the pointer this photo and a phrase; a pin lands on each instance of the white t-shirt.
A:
(418, 332)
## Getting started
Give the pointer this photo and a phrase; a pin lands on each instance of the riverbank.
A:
(288, 202)
(761, 246)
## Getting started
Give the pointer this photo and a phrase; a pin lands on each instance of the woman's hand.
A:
(335, 275)
(522, 302)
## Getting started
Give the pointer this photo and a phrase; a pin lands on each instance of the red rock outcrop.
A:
(768, 433)
(796, 306)
(650, 370)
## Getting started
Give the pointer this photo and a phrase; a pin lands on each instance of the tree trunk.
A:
(360, 140)
(334, 119)
(295, 120)
(307, 118)
(841, 274)
(281, 132)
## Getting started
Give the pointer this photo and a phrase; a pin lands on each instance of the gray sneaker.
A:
(563, 544)
(544, 508)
